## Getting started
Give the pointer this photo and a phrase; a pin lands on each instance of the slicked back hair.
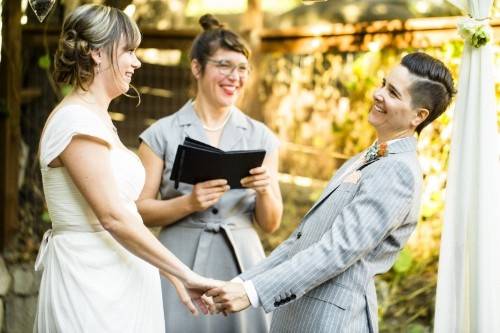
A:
(433, 87)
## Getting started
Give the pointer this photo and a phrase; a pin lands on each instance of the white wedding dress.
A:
(91, 283)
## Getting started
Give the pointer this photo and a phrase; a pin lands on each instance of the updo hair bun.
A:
(91, 27)
(71, 34)
(73, 63)
(213, 37)
(209, 22)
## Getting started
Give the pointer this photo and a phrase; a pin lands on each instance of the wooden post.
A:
(253, 21)
(252, 26)
(10, 103)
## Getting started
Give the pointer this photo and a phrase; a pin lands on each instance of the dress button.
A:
(293, 296)
(215, 210)
(276, 304)
(299, 234)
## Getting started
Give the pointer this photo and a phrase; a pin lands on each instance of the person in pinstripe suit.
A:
(321, 279)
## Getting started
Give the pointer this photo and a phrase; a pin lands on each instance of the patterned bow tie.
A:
(375, 151)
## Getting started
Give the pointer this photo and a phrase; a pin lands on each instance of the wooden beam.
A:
(251, 30)
(415, 33)
(10, 135)
(160, 39)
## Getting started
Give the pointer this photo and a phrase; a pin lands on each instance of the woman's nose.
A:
(137, 63)
(377, 94)
(233, 75)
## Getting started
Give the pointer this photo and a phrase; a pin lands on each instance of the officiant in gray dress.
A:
(209, 226)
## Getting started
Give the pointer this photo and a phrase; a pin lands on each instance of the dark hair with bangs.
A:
(90, 27)
(433, 88)
(215, 36)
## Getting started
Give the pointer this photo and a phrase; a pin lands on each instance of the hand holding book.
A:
(259, 179)
(206, 194)
(197, 162)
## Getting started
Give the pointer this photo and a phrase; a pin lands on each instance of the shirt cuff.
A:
(250, 290)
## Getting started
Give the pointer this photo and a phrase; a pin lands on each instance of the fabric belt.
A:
(210, 230)
(57, 230)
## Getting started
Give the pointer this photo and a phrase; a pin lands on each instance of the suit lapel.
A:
(334, 183)
(400, 146)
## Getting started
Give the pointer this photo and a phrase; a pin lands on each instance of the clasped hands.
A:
(211, 296)
(228, 298)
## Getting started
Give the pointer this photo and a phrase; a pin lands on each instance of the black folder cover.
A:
(196, 162)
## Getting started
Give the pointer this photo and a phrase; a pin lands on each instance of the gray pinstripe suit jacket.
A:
(321, 279)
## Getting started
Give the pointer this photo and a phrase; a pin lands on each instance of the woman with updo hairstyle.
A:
(100, 263)
(210, 226)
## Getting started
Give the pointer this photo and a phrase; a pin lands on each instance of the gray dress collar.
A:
(232, 133)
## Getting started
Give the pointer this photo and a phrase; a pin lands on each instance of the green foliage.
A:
(417, 328)
(66, 89)
(44, 61)
(46, 217)
(404, 262)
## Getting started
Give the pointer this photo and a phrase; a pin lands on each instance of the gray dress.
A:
(220, 242)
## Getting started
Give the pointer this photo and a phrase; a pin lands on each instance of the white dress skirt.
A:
(90, 283)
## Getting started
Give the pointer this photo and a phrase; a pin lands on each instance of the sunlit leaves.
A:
(404, 262)
(44, 61)
(65, 89)
(45, 217)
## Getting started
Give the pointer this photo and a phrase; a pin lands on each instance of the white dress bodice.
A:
(91, 283)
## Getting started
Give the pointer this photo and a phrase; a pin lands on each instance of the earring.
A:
(98, 68)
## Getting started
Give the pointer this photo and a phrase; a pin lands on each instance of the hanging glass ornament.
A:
(41, 8)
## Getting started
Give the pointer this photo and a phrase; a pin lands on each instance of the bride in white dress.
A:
(100, 263)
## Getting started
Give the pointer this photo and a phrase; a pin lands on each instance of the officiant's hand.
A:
(259, 180)
(206, 194)
(231, 297)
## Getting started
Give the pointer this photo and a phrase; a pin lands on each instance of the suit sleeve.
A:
(379, 206)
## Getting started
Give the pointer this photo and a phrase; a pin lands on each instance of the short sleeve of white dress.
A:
(64, 125)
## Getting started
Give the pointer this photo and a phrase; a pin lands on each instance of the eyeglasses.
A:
(227, 68)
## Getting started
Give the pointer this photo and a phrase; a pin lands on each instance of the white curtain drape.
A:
(468, 288)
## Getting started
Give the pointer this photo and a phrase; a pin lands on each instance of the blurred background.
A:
(314, 68)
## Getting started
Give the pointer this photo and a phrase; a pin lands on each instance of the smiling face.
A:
(126, 64)
(215, 84)
(392, 113)
(117, 74)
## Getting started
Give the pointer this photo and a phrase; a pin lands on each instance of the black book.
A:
(197, 162)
